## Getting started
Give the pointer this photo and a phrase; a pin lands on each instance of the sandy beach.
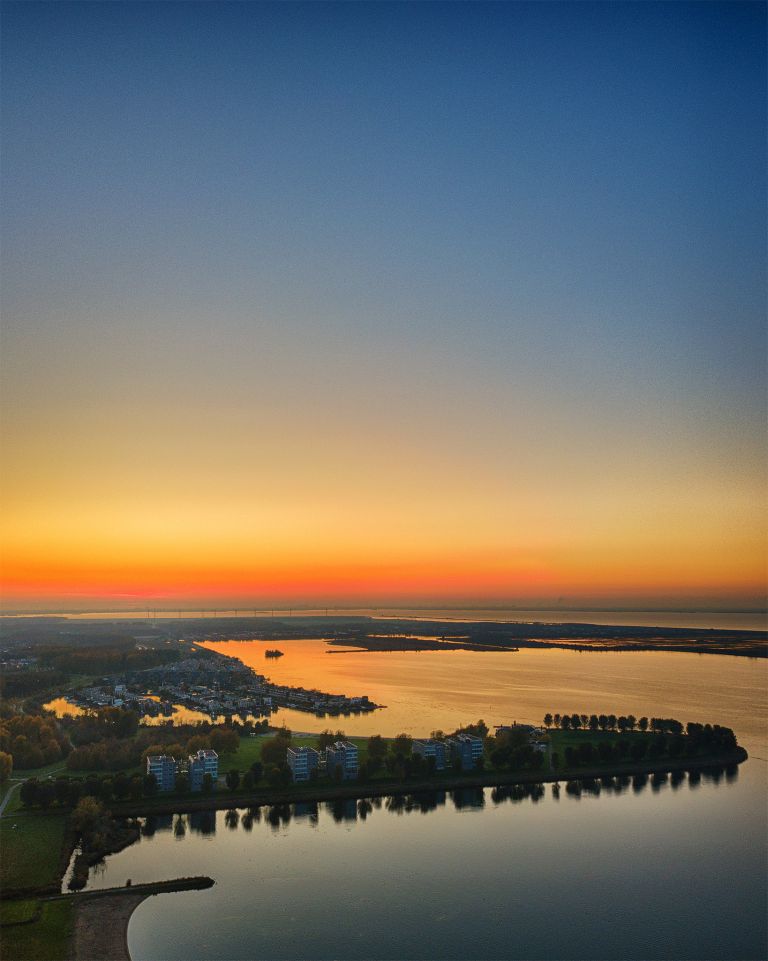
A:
(101, 928)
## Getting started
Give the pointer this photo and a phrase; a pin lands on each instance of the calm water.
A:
(676, 872)
(427, 690)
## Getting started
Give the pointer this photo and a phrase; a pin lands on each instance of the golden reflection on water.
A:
(62, 707)
(429, 690)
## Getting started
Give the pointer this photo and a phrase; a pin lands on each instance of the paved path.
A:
(8, 794)
(19, 782)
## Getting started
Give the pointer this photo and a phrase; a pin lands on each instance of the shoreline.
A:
(102, 917)
(337, 792)
(101, 928)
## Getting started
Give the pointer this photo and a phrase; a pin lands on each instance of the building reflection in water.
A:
(352, 810)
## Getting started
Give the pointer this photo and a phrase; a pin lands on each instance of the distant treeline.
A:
(114, 658)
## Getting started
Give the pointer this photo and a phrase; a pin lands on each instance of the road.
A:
(18, 782)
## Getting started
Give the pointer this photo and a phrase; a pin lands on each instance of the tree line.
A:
(705, 734)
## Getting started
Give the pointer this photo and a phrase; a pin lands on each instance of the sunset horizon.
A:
(383, 515)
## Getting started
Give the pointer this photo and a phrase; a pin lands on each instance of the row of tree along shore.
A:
(449, 781)
(514, 752)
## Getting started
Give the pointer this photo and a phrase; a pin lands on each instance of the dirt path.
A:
(101, 928)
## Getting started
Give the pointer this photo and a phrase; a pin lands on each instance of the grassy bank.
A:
(33, 851)
(46, 939)
(30, 850)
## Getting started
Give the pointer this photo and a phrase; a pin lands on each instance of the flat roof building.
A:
(429, 747)
(467, 748)
(163, 768)
(302, 761)
(343, 755)
(200, 764)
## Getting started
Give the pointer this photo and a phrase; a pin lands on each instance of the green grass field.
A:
(250, 751)
(30, 849)
(12, 912)
(47, 939)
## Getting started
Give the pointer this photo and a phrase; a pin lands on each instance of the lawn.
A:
(30, 850)
(250, 751)
(11, 912)
(47, 939)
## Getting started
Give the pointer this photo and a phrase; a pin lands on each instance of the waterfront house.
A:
(302, 761)
(163, 767)
(429, 747)
(342, 754)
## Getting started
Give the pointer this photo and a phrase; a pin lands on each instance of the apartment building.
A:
(163, 767)
(429, 747)
(302, 761)
(200, 764)
(342, 754)
(467, 748)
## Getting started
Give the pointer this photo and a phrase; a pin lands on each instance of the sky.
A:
(376, 304)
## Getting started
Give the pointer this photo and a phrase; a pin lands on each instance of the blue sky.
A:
(517, 232)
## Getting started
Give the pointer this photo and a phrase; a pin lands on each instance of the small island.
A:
(273, 653)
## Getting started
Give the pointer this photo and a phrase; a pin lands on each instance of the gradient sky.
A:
(376, 304)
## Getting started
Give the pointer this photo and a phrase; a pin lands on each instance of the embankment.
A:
(447, 782)
(101, 917)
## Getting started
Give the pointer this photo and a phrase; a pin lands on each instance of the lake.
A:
(669, 871)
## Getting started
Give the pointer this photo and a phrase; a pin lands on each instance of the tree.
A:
(46, 794)
(377, 747)
(248, 781)
(593, 722)
(182, 783)
(233, 779)
(6, 766)
(273, 750)
(122, 785)
(257, 771)
(575, 721)
(74, 792)
(106, 789)
(200, 742)
(547, 720)
(150, 785)
(207, 783)
(30, 792)
(402, 745)
(61, 788)
(327, 737)
(643, 724)
(87, 816)
(631, 722)
(224, 741)
(565, 722)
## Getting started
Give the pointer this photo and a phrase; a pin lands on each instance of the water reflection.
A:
(352, 810)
